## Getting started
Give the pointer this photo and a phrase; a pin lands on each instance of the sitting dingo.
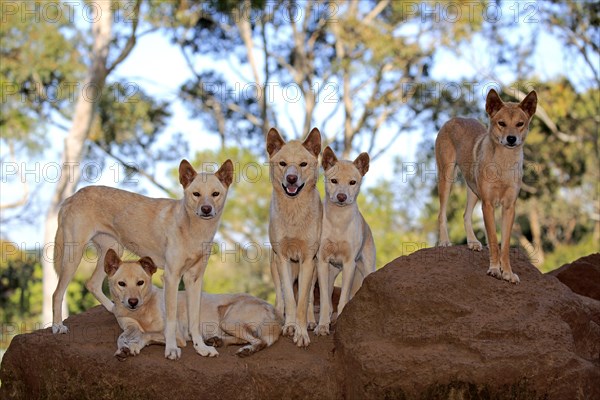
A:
(346, 241)
(224, 318)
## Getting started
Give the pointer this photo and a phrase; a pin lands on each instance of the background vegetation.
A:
(375, 61)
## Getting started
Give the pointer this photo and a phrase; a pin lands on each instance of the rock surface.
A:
(582, 276)
(429, 325)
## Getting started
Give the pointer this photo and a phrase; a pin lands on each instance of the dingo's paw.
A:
(301, 338)
(311, 325)
(172, 353)
(205, 351)
(134, 348)
(122, 353)
(322, 330)
(495, 272)
(475, 246)
(214, 341)
(445, 243)
(288, 329)
(510, 277)
(245, 351)
(59, 328)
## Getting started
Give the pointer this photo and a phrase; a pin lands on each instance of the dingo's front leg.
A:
(305, 278)
(172, 352)
(348, 270)
(285, 274)
(325, 298)
(193, 289)
(279, 299)
(490, 228)
(508, 217)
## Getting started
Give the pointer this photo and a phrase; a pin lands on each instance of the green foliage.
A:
(567, 253)
(20, 284)
(126, 114)
(39, 71)
(20, 292)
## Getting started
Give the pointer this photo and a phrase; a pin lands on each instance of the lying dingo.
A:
(224, 318)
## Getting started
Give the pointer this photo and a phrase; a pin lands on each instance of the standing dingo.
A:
(295, 221)
(492, 164)
(346, 241)
(176, 234)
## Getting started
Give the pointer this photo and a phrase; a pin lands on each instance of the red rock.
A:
(434, 325)
(582, 275)
(429, 325)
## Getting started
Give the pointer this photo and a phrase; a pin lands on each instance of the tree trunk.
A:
(89, 93)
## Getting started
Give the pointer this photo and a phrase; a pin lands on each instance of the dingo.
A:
(224, 318)
(177, 234)
(346, 241)
(294, 227)
(492, 164)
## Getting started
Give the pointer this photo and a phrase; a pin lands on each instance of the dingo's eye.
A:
(215, 194)
(502, 124)
(140, 283)
(334, 181)
(282, 163)
(352, 183)
(122, 284)
(197, 194)
(520, 124)
(303, 164)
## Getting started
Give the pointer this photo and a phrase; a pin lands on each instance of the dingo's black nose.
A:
(511, 139)
(341, 197)
(133, 302)
(292, 179)
(206, 209)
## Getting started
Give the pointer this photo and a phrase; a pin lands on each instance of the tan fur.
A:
(346, 240)
(224, 318)
(294, 228)
(176, 234)
(492, 169)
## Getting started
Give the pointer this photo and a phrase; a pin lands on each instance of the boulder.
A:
(428, 325)
(582, 276)
(81, 365)
(434, 325)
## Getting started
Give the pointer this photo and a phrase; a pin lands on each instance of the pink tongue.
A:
(292, 189)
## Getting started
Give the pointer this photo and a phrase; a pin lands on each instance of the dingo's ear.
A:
(187, 173)
(329, 158)
(148, 265)
(225, 173)
(529, 103)
(111, 262)
(312, 142)
(493, 103)
(362, 163)
(274, 142)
